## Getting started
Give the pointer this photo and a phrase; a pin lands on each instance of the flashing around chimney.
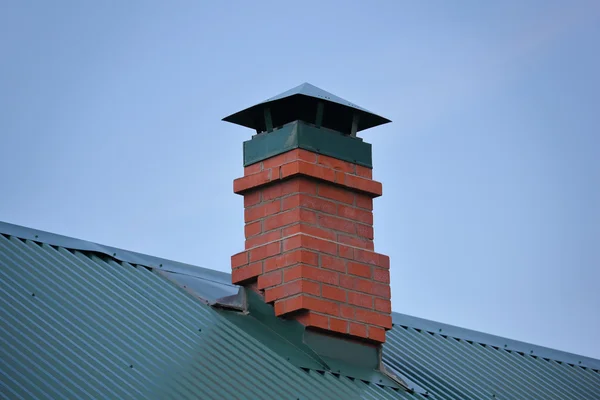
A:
(302, 135)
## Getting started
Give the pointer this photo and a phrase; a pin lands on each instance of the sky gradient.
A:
(110, 131)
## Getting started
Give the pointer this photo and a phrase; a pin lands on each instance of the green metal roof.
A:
(81, 320)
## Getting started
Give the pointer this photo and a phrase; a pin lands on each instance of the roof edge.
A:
(493, 340)
(131, 257)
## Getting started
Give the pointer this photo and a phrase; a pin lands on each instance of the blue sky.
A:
(110, 131)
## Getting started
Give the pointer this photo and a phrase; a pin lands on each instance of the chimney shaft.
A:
(308, 197)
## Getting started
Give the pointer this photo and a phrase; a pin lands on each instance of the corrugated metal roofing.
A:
(82, 325)
(81, 320)
(453, 368)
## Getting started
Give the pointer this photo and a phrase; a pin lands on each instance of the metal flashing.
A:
(235, 302)
(301, 135)
(308, 349)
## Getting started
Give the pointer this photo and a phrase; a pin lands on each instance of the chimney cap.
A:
(302, 103)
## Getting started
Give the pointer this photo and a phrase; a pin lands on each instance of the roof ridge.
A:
(128, 256)
(489, 339)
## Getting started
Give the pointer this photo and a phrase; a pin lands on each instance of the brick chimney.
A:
(308, 197)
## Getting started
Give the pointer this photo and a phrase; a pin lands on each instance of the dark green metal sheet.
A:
(78, 324)
(299, 135)
(449, 367)
(309, 103)
(84, 324)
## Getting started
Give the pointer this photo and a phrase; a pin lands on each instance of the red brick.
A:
(333, 263)
(355, 241)
(252, 198)
(309, 230)
(346, 311)
(289, 217)
(359, 269)
(265, 251)
(262, 239)
(291, 258)
(359, 330)
(280, 220)
(336, 164)
(304, 185)
(367, 257)
(317, 171)
(360, 299)
(313, 319)
(308, 169)
(377, 334)
(277, 161)
(338, 325)
(381, 290)
(253, 229)
(355, 214)
(270, 279)
(381, 260)
(340, 177)
(289, 156)
(383, 305)
(384, 261)
(345, 251)
(321, 245)
(292, 288)
(243, 274)
(309, 303)
(288, 305)
(347, 281)
(279, 307)
(314, 203)
(292, 273)
(338, 224)
(363, 285)
(306, 155)
(240, 185)
(275, 190)
(373, 318)
(309, 242)
(319, 274)
(292, 243)
(364, 172)
(287, 187)
(262, 210)
(253, 169)
(381, 275)
(365, 231)
(289, 169)
(321, 305)
(239, 259)
(333, 293)
(364, 201)
(335, 193)
(368, 186)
